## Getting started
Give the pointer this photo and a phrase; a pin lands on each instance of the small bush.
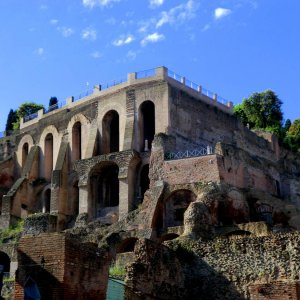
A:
(116, 271)
(12, 233)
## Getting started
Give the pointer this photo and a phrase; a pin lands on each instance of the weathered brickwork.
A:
(62, 268)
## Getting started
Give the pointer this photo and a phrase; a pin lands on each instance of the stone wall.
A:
(62, 268)
(243, 268)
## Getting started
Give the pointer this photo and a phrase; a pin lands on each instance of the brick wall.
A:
(61, 267)
(195, 169)
(275, 291)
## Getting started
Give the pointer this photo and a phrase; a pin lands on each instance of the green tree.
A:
(262, 111)
(53, 101)
(293, 136)
(26, 109)
(11, 119)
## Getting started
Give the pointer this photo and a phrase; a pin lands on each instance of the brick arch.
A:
(121, 110)
(25, 139)
(170, 210)
(56, 145)
(85, 126)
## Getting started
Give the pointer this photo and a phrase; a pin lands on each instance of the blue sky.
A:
(59, 48)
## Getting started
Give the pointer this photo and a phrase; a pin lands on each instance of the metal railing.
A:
(145, 73)
(54, 107)
(83, 95)
(202, 151)
(112, 83)
(30, 117)
(196, 87)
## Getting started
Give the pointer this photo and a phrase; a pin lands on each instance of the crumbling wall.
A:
(218, 269)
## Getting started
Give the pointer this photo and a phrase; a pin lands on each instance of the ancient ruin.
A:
(154, 174)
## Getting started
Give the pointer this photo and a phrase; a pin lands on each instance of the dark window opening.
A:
(76, 141)
(48, 156)
(127, 245)
(110, 134)
(47, 201)
(147, 124)
(25, 151)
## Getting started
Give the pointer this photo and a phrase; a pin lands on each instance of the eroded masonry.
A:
(153, 167)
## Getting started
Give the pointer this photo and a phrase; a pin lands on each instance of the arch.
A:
(76, 141)
(146, 124)
(46, 200)
(175, 206)
(78, 136)
(103, 188)
(103, 109)
(75, 198)
(26, 139)
(4, 262)
(54, 144)
(48, 156)
(144, 180)
(127, 245)
(25, 151)
(110, 132)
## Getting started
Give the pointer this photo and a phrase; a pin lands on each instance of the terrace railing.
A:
(145, 73)
(201, 151)
(30, 117)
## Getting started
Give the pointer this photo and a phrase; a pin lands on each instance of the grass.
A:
(12, 233)
(117, 271)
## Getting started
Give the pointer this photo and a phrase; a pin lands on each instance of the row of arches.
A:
(110, 141)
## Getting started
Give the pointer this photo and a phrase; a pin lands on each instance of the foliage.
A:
(53, 101)
(11, 119)
(117, 271)
(261, 110)
(293, 136)
(12, 233)
(26, 109)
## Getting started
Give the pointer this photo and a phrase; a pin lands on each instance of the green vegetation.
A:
(12, 233)
(11, 119)
(53, 101)
(263, 111)
(117, 271)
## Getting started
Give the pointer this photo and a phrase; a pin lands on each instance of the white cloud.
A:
(156, 3)
(65, 31)
(205, 27)
(39, 51)
(178, 14)
(43, 7)
(152, 38)
(123, 40)
(221, 13)
(93, 3)
(53, 21)
(131, 55)
(96, 54)
(89, 34)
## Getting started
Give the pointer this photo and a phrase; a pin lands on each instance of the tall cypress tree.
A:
(11, 118)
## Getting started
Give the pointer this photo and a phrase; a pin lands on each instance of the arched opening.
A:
(168, 237)
(76, 141)
(4, 263)
(146, 125)
(31, 290)
(25, 150)
(104, 184)
(127, 245)
(48, 158)
(47, 201)
(144, 180)
(110, 132)
(175, 207)
(75, 198)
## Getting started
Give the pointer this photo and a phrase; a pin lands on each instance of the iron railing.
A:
(145, 73)
(83, 95)
(202, 151)
(112, 83)
(30, 117)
